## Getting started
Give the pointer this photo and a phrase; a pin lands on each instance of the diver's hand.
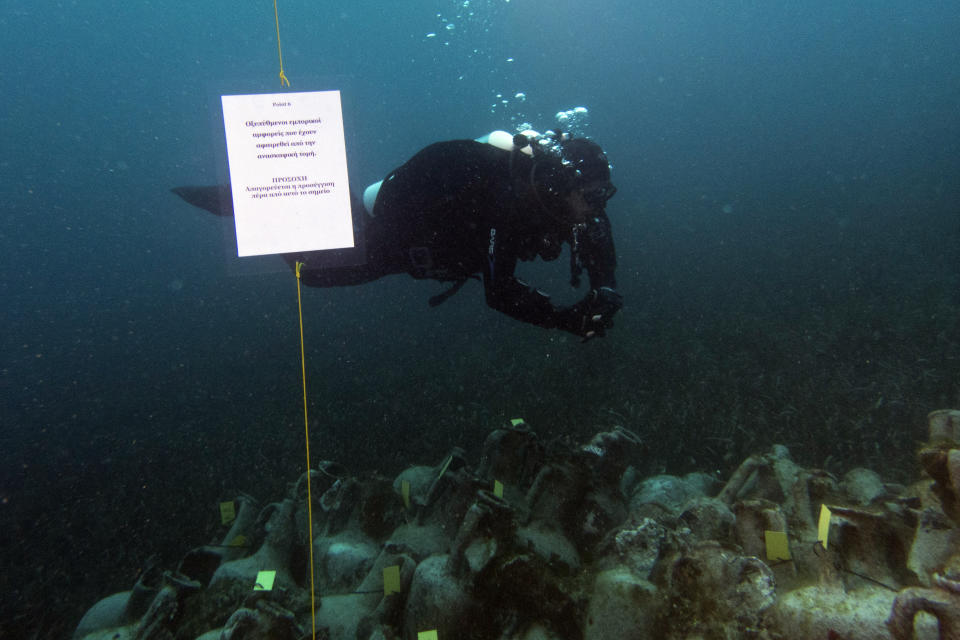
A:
(592, 316)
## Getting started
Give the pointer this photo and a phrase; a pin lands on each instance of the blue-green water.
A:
(787, 226)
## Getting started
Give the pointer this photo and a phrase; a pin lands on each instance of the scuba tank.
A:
(500, 139)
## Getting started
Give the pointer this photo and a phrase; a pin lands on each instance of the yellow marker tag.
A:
(823, 528)
(265, 581)
(497, 489)
(777, 546)
(405, 492)
(516, 421)
(427, 635)
(391, 580)
(239, 541)
(446, 464)
(227, 512)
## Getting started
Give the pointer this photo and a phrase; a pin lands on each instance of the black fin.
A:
(440, 298)
(216, 199)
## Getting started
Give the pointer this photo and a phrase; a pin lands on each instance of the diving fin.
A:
(216, 199)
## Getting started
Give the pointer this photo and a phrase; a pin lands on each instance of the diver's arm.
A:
(593, 315)
(512, 296)
(597, 253)
(589, 318)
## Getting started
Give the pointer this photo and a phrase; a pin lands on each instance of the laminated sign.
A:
(288, 172)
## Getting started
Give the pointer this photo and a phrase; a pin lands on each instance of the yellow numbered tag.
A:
(777, 546)
(391, 580)
(823, 528)
(427, 635)
(227, 512)
(497, 489)
(516, 422)
(265, 581)
(446, 464)
(405, 492)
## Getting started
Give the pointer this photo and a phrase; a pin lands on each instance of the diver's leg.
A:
(379, 243)
(319, 276)
(382, 253)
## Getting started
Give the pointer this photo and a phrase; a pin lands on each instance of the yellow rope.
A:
(283, 76)
(306, 432)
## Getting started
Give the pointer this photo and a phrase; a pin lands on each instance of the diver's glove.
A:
(592, 316)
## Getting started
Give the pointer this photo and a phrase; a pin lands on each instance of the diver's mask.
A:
(597, 197)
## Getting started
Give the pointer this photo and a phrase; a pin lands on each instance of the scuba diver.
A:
(466, 209)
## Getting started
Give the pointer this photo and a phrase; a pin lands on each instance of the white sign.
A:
(288, 172)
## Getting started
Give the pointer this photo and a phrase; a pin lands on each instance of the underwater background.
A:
(787, 226)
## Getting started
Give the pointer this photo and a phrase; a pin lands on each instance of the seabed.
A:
(536, 541)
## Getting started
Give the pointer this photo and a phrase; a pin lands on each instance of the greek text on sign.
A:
(288, 172)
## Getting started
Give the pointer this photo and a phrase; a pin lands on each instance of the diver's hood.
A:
(562, 163)
(568, 165)
(586, 160)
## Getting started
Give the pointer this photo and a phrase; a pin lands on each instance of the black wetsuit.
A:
(461, 209)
